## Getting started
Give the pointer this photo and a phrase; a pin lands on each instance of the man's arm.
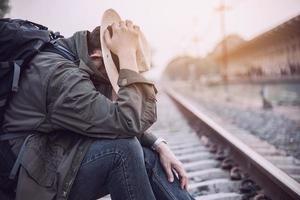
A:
(76, 105)
(80, 108)
(167, 158)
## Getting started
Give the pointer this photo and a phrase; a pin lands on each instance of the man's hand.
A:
(170, 163)
(124, 43)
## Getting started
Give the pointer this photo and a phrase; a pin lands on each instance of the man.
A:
(83, 145)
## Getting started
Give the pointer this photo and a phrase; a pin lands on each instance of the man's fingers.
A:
(169, 173)
(184, 183)
(122, 24)
(182, 174)
(135, 27)
(129, 24)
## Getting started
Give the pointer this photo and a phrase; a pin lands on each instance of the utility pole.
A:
(222, 8)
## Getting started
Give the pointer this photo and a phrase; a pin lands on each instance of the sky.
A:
(172, 27)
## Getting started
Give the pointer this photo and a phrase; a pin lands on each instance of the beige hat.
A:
(143, 54)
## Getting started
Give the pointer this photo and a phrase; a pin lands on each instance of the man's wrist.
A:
(157, 143)
(127, 60)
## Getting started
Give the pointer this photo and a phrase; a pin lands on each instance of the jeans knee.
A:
(130, 149)
(151, 157)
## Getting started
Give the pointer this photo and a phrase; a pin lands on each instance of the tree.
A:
(4, 7)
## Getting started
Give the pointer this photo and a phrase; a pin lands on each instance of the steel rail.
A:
(275, 183)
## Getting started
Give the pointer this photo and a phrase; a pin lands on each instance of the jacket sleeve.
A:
(147, 139)
(76, 105)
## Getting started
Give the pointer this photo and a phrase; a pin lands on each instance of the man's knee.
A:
(151, 157)
(130, 148)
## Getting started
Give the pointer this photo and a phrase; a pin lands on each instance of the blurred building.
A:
(275, 52)
(190, 68)
(271, 54)
(232, 42)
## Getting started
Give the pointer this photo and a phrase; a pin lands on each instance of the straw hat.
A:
(143, 55)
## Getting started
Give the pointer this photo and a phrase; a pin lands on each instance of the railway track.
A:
(220, 165)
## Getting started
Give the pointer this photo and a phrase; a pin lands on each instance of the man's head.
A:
(94, 49)
(93, 39)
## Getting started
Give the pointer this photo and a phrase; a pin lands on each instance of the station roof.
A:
(282, 32)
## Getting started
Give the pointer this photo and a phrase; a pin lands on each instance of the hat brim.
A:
(109, 17)
(143, 56)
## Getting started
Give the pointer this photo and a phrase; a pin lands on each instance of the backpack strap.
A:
(54, 47)
(17, 164)
(16, 167)
(16, 77)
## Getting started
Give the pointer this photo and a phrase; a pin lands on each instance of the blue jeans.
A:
(125, 170)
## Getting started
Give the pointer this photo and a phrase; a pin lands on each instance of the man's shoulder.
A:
(50, 59)
(47, 63)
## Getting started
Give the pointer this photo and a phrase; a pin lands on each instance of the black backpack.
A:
(20, 41)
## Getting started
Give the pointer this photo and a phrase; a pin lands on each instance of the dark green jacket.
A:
(68, 104)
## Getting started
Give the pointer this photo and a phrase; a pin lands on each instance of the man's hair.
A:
(93, 40)
(94, 43)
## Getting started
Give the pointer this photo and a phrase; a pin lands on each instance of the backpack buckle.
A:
(55, 35)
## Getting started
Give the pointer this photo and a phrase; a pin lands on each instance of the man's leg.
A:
(116, 167)
(162, 188)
